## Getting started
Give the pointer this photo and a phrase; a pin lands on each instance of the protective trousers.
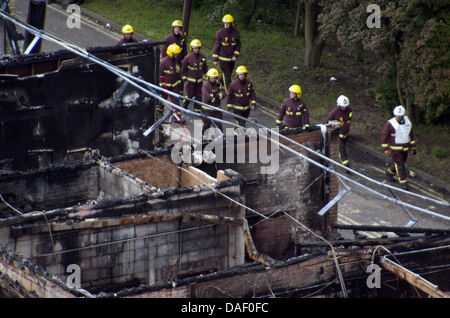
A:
(227, 69)
(193, 91)
(398, 165)
(343, 151)
(207, 123)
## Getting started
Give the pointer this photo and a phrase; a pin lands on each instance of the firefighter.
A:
(342, 114)
(127, 32)
(192, 70)
(398, 136)
(293, 111)
(227, 46)
(178, 38)
(241, 96)
(170, 76)
(212, 93)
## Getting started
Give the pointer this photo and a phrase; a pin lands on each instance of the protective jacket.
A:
(344, 117)
(179, 40)
(398, 136)
(227, 44)
(170, 77)
(294, 113)
(241, 95)
(218, 92)
(193, 68)
(125, 41)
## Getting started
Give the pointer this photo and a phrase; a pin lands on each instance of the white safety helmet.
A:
(342, 101)
(399, 111)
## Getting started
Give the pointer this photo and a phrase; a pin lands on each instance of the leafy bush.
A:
(384, 93)
(439, 152)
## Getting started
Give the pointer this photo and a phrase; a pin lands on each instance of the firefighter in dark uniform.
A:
(192, 70)
(343, 115)
(241, 96)
(127, 32)
(293, 111)
(227, 47)
(170, 75)
(178, 38)
(398, 136)
(212, 94)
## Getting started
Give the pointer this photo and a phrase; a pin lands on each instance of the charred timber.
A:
(395, 229)
(367, 242)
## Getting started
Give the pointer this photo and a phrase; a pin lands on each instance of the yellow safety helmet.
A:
(195, 43)
(177, 23)
(212, 73)
(127, 29)
(173, 49)
(228, 18)
(241, 70)
(296, 89)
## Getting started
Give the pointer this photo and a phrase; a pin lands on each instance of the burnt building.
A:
(54, 104)
(141, 225)
(141, 220)
(89, 208)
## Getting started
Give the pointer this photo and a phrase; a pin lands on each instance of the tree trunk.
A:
(186, 17)
(398, 82)
(249, 15)
(297, 17)
(314, 40)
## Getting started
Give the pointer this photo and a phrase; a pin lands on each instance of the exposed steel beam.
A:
(413, 278)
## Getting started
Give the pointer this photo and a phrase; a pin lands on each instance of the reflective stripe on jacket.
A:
(388, 137)
(241, 95)
(227, 44)
(294, 113)
(193, 68)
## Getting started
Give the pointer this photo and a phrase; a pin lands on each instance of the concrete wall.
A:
(50, 188)
(119, 241)
(143, 252)
(20, 278)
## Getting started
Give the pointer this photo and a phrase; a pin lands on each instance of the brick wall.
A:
(160, 172)
(258, 281)
(297, 188)
(333, 183)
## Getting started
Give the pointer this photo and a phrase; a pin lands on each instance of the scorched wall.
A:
(134, 234)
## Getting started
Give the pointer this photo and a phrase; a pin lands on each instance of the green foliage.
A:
(414, 35)
(384, 93)
(440, 152)
(426, 71)
(276, 13)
